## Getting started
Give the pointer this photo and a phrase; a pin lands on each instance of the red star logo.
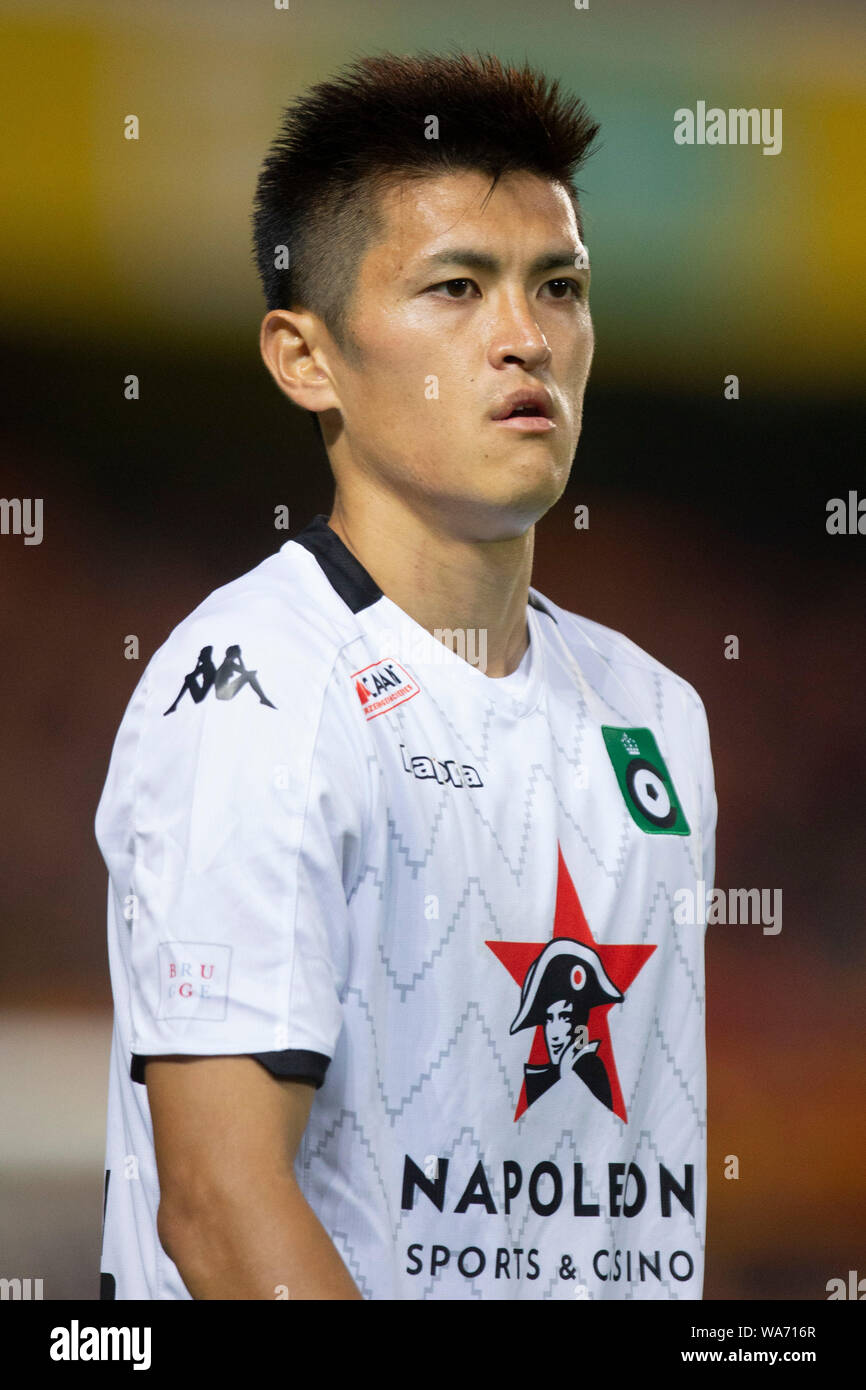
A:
(622, 964)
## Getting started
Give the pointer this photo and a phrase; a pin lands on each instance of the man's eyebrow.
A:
(483, 260)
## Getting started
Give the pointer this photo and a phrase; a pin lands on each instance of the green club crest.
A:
(644, 781)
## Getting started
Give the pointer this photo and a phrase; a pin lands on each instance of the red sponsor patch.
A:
(382, 686)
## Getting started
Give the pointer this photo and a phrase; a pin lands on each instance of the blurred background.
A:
(707, 515)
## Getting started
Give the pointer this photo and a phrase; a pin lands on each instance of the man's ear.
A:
(296, 348)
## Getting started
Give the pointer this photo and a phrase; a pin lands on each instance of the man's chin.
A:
(495, 519)
(511, 514)
(504, 503)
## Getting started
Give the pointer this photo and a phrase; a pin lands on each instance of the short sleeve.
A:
(232, 821)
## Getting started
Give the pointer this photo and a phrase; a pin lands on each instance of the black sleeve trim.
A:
(308, 1066)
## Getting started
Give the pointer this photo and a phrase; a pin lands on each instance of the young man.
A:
(402, 1010)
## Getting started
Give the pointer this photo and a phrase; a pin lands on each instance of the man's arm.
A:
(231, 1215)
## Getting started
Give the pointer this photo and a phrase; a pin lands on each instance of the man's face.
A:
(557, 1028)
(455, 308)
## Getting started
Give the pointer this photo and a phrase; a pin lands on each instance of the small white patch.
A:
(193, 980)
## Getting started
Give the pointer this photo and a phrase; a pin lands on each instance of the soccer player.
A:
(401, 1007)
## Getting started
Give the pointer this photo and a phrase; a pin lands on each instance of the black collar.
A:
(344, 571)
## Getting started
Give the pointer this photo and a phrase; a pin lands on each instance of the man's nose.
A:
(517, 335)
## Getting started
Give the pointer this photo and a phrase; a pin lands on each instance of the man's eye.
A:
(573, 285)
(448, 284)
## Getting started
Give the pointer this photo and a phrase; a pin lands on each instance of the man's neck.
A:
(476, 590)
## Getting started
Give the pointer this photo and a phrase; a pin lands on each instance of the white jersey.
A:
(338, 846)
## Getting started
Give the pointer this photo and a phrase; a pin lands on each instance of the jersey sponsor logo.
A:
(194, 980)
(644, 781)
(512, 1189)
(445, 771)
(382, 686)
(224, 680)
(568, 986)
(625, 1189)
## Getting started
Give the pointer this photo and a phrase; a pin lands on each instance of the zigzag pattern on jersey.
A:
(698, 996)
(403, 849)
(395, 1109)
(625, 717)
(312, 1152)
(536, 771)
(671, 935)
(700, 1115)
(368, 872)
(666, 925)
(692, 846)
(399, 719)
(436, 952)
(429, 961)
(421, 857)
(688, 846)
(657, 683)
(615, 871)
(353, 1264)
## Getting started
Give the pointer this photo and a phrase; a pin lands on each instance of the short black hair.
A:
(342, 142)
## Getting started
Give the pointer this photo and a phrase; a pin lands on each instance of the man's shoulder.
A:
(282, 612)
(586, 638)
(241, 687)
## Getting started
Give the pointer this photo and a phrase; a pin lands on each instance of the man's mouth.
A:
(523, 423)
(528, 410)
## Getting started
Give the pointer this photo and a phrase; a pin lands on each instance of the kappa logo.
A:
(567, 988)
(225, 680)
(382, 686)
(441, 770)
